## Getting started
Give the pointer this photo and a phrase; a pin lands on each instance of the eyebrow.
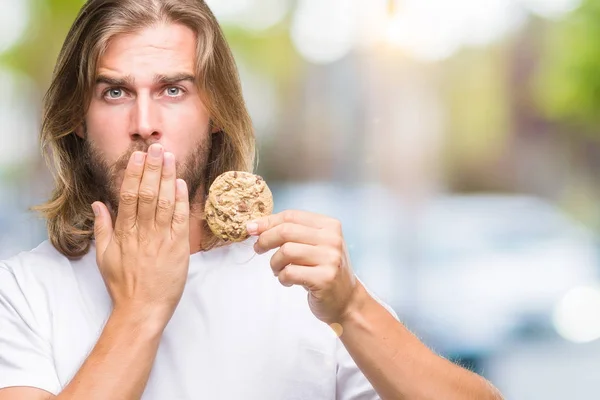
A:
(158, 79)
(171, 79)
(125, 81)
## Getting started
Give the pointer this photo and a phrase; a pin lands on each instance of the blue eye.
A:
(115, 93)
(173, 91)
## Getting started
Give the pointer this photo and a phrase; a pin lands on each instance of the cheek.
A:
(189, 116)
(107, 130)
(108, 122)
(118, 179)
(184, 129)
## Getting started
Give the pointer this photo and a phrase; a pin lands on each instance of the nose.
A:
(145, 120)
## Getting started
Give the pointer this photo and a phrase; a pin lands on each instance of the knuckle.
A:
(336, 225)
(285, 231)
(286, 250)
(153, 167)
(128, 198)
(180, 218)
(329, 276)
(335, 258)
(167, 174)
(122, 235)
(134, 173)
(147, 196)
(289, 215)
(286, 276)
(337, 242)
(164, 204)
(99, 228)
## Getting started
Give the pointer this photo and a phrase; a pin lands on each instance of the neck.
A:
(197, 221)
(196, 229)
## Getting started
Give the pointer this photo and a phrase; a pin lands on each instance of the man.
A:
(138, 299)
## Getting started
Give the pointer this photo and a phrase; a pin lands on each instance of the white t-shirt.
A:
(237, 333)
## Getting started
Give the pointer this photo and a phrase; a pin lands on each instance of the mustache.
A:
(140, 145)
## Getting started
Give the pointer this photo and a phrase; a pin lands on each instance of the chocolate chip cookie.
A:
(234, 199)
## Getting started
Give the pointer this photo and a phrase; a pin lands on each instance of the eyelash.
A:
(107, 91)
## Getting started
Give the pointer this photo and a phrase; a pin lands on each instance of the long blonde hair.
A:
(68, 213)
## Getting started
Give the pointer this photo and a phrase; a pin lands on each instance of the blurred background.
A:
(457, 141)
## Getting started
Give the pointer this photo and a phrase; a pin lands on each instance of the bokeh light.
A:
(324, 31)
(577, 315)
(14, 19)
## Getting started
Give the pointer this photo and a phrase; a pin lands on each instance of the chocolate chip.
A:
(235, 175)
(242, 207)
(261, 206)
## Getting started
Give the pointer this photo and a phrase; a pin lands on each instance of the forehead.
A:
(159, 49)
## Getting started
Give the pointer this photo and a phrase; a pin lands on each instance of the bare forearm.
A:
(398, 365)
(120, 363)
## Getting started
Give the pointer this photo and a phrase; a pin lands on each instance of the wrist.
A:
(357, 304)
(141, 319)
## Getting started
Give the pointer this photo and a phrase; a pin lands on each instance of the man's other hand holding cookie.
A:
(311, 253)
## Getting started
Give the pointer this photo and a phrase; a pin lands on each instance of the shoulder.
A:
(26, 288)
(36, 277)
(34, 265)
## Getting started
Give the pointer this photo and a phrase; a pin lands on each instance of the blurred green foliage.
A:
(50, 20)
(36, 53)
(568, 82)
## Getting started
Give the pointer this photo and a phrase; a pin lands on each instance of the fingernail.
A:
(138, 158)
(252, 228)
(155, 150)
(95, 209)
(181, 185)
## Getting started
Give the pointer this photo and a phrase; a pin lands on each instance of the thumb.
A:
(103, 228)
